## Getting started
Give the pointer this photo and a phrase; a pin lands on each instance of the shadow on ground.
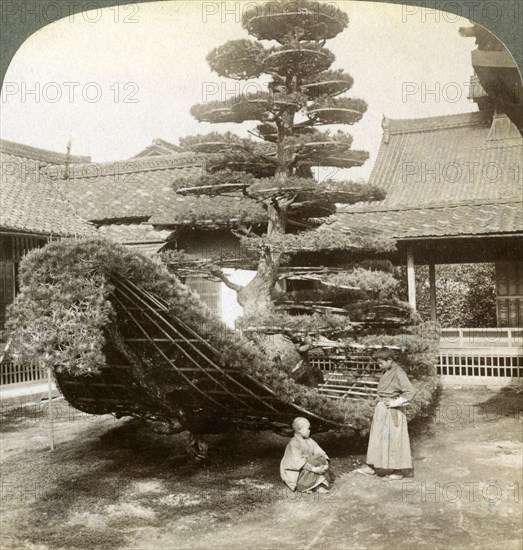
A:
(115, 484)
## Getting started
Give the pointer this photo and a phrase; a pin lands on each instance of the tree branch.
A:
(218, 272)
(263, 202)
(241, 232)
(255, 134)
(288, 202)
(271, 160)
(211, 189)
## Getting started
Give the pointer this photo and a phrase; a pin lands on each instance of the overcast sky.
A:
(135, 71)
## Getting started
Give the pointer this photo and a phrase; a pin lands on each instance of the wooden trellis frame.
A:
(161, 369)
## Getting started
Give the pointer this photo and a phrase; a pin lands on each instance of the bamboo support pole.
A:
(432, 290)
(50, 407)
(204, 356)
(200, 368)
(411, 279)
(167, 358)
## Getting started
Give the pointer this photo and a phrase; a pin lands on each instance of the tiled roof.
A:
(447, 159)
(43, 155)
(131, 189)
(134, 233)
(138, 190)
(33, 204)
(142, 189)
(436, 221)
(450, 175)
(143, 238)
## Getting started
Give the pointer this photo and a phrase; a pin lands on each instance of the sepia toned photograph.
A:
(261, 275)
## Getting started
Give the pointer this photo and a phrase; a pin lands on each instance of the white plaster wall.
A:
(231, 310)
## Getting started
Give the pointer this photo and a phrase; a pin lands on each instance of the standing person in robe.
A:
(304, 466)
(389, 445)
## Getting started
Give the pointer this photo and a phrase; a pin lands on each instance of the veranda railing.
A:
(476, 355)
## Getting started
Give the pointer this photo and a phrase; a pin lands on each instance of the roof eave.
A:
(459, 236)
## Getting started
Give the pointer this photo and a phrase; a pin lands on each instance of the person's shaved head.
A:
(298, 422)
(387, 353)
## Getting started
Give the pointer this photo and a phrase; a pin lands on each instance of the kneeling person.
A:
(304, 466)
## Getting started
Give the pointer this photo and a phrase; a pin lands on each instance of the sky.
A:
(112, 80)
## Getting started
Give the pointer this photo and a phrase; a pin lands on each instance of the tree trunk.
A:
(285, 158)
(256, 297)
(256, 300)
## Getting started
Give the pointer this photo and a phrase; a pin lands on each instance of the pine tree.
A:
(274, 170)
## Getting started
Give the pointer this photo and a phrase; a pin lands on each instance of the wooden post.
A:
(432, 292)
(411, 279)
(50, 410)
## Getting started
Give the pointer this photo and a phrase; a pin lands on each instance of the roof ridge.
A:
(140, 164)
(352, 209)
(443, 122)
(36, 153)
(158, 144)
(165, 143)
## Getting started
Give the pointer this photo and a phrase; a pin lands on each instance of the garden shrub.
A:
(465, 294)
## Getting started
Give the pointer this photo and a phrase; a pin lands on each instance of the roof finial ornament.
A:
(67, 159)
(386, 129)
(502, 128)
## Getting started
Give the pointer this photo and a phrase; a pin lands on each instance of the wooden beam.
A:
(432, 292)
(411, 279)
(204, 189)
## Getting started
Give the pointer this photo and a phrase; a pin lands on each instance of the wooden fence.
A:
(478, 356)
(467, 356)
(17, 374)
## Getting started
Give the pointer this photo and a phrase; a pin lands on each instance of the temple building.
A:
(455, 196)
(47, 195)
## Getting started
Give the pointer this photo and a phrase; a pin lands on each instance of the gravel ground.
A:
(112, 484)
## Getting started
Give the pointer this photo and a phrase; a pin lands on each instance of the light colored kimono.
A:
(299, 455)
(389, 445)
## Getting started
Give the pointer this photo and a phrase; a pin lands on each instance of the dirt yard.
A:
(111, 484)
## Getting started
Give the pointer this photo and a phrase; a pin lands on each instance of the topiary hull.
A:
(124, 336)
(159, 369)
